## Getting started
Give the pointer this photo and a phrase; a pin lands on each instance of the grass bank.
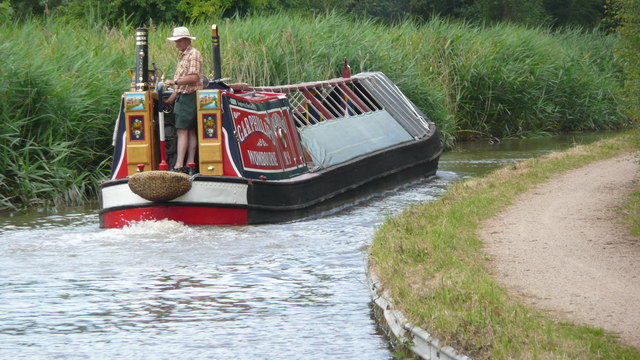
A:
(431, 261)
(62, 80)
(631, 213)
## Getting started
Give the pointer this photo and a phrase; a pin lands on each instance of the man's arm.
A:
(191, 79)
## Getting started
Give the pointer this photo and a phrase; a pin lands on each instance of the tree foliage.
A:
(6, 11)
(584, 13)
(516, 11)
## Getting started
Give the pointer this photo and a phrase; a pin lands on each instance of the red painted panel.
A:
(188, 215)
(257, 139)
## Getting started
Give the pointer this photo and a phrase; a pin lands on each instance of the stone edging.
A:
(403, 334)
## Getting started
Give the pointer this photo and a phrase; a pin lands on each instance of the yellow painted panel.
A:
(210, 159)
(137, 154)
(140, 124)
(209, 132)
(213, 168)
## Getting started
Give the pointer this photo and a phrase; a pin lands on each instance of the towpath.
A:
(561, 248)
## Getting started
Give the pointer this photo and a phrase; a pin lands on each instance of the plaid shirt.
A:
(189, 62)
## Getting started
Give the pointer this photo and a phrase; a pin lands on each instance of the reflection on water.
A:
(160, 290)
(479, 157)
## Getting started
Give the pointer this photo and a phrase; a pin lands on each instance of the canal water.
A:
(160, 290)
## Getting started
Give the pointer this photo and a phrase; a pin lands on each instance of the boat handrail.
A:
(318, 101)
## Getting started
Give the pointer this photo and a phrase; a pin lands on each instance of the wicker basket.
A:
(159, 185)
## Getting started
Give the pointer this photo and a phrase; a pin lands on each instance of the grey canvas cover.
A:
(335, 141)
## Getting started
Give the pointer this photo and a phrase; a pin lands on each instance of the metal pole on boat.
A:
(346, 73)
(163, 149)
(215, 45)
(142, 60)
(346, 69)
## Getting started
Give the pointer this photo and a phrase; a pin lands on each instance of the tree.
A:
(585, 13)
(425, 9)
(516, 11)
(35, 7)
(140, 12)
(6, 11)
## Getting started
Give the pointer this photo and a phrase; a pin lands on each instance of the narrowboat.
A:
(265, 154)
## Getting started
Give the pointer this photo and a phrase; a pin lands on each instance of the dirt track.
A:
(561, 248)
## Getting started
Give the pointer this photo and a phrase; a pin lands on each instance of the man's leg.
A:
(182, 146)
(193, 145)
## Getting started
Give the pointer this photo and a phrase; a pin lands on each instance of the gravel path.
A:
(561, 248)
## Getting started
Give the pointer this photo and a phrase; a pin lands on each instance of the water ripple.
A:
(160, 290)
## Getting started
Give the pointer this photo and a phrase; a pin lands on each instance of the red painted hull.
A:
(188, 215)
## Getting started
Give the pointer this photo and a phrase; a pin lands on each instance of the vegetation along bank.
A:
(431, 261)
(62, 78)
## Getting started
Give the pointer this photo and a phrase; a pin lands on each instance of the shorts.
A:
(184, 111)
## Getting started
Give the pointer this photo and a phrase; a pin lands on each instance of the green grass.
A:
(631, 213)
(62, 80)
(431, 261)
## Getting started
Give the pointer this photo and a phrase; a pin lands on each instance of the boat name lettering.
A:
(252, 124)
(276, 121)
(263, 159)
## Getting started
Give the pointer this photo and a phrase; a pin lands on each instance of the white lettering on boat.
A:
(253, 124)
(263, 159)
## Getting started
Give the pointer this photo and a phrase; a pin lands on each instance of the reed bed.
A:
(63, 79)
(60, 82)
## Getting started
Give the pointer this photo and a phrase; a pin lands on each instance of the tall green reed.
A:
(504, 80)
(513, 81)
(62, 81)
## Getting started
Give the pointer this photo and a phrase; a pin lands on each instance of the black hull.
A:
(270, 201)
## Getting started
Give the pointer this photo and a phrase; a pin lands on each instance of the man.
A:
(187, 79)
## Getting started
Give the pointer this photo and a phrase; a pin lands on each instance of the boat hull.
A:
(219, 200)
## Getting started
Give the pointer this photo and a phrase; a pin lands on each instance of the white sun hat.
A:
(179, 33)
